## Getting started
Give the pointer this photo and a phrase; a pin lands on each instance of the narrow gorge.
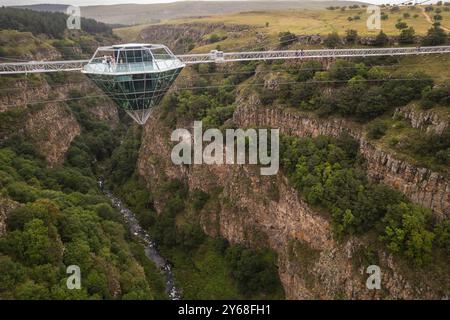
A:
(267, 211)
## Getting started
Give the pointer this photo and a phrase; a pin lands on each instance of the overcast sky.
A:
(105, 2)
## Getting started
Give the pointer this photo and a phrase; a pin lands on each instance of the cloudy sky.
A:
(105, 2)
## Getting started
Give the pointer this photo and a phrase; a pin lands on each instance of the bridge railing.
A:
(219, 56)
(42, 66)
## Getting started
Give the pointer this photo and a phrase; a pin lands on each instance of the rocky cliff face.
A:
(52, 129)
(425, 120)
(420, 185)
(266, 211)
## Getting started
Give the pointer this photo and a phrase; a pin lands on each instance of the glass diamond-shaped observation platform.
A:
(135, 76)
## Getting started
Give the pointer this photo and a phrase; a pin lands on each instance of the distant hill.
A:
(45, 7)
(132, 14)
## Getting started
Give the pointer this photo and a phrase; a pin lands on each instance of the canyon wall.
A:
(50, 124)
(47, 120)
(264, 211)
(421, 185)
(425, 120)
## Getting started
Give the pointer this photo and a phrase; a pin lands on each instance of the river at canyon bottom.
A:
(151, 250)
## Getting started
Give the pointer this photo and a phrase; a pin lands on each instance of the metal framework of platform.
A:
(42, 66)
(222, 57)
(135, 76)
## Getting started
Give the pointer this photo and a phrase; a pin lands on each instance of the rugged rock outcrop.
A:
(53, 127)
(19, 93)
(175, 36)
(266, 211)
(420, 185)
(48, 121)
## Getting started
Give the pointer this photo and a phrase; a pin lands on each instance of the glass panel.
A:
(161, 54)
(146, 56)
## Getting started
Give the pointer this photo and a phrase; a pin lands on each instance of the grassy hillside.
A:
(309, 21)
(323, 21)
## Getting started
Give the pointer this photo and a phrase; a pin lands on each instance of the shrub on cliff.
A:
(442, 231)
(435, 37)
(332, 40)
(407, 231)
(407, 36)
(381, 39)
(377, 130)
(84, 223)
(254, 271)
(438, 96)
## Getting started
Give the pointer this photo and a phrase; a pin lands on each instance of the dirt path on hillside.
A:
(430, 21)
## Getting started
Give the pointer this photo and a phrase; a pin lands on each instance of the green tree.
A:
(351, 36)
(343, 70)
(42, 209)
(253, 270)
(377, 130)
(78, 253)
(11, 274)
(406, 232)
(332, 40)
(32, 291)
(286, 38)
(435, 36)
(39, 248)
(407, 36)
(381, 39)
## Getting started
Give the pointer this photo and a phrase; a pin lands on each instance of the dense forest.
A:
(62, 218)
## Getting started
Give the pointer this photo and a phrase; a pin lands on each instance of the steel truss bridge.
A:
(222, 57)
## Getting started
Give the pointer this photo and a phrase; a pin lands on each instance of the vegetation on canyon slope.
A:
(367, 93)
(52, 24)
(61, 216)
(329, 173)
(63, 219)
(305, 22)
(204, 267)
(43, 36)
